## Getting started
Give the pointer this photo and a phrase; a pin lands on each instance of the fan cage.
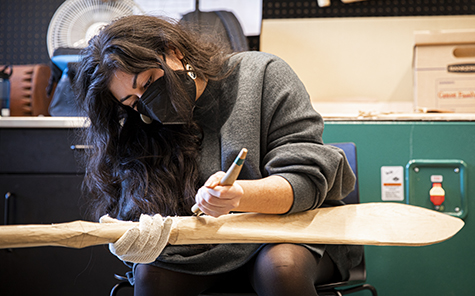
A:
(76, 21)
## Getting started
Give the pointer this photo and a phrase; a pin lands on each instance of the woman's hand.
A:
(216, 200)
(142, 243)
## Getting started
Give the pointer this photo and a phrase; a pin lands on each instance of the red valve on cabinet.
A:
(437, 194)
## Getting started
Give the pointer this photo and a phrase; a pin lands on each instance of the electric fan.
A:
(72, 25)
(76, 21)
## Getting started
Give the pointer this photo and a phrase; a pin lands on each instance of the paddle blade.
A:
(358, 224)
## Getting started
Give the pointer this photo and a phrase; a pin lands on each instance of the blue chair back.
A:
(350, 152)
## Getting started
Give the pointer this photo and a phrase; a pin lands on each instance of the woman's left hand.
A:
(215, 200)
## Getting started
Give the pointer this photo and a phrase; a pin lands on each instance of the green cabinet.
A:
(443, 269)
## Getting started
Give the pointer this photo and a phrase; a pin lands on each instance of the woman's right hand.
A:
(215, 200)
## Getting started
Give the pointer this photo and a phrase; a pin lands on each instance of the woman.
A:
(169, 112)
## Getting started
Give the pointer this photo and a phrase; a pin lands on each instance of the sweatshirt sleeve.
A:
(292, 137)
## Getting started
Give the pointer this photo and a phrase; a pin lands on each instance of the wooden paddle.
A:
(359, 224)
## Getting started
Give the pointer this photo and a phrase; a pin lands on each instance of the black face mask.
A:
(155, 102)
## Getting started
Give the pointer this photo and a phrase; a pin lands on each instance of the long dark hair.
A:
(133, 167)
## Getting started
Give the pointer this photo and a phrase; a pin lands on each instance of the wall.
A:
(24, 23)
(23, 29)
(354, 62)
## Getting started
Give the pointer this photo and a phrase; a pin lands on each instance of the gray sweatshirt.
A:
(264, 107)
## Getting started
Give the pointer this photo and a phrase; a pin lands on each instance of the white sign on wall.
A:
(392, 183)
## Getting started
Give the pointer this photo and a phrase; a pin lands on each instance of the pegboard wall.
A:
(23, 29)
(24, 23)
(370, 8)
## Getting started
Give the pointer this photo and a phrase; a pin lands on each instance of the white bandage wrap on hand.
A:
(142, 243)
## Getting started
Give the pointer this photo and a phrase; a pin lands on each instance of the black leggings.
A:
(278, 269)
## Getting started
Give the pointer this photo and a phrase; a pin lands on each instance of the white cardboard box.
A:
(444, 70)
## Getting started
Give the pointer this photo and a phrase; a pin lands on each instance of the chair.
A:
(123, 283)
(357, 279)
(221, 23)
(28, 95)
